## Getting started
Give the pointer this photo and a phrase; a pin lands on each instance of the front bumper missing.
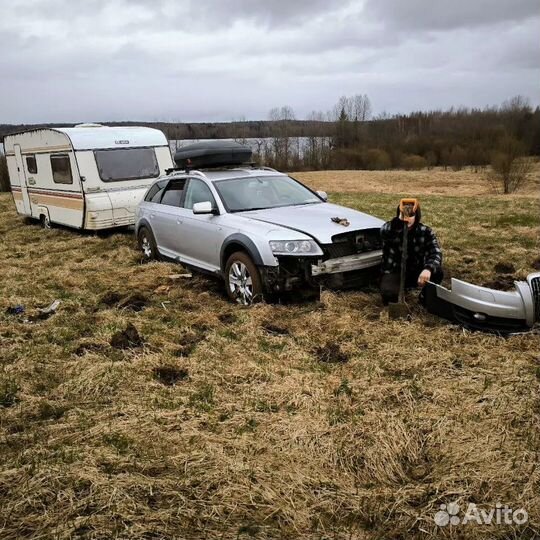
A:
(359, 261)
(481, 308)
(294, 273)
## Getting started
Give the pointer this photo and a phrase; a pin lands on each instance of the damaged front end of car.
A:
(352, 260)
(481, 308)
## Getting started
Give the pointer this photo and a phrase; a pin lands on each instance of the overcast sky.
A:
(219, 60)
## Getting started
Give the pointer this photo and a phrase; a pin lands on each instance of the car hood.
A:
(315, 219)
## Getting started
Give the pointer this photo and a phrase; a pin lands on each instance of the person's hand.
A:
(424, 277)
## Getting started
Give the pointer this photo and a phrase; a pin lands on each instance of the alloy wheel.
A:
(240, 283)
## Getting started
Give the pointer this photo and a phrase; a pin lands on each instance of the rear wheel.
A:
(147, 244)
(243, 280)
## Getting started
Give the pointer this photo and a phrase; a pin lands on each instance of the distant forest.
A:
(349, 137)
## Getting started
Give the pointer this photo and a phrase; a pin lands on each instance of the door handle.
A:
(179, 221)
(152, 216)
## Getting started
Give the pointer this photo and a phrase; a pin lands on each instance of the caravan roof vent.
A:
(210, 154)
(89, 125)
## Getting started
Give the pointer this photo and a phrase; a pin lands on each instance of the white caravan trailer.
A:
(89, 176)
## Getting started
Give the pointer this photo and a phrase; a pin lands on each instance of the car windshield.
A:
(260, 192)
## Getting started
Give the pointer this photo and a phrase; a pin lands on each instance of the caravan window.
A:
(126, 164)
(31, 164)
(61, 169)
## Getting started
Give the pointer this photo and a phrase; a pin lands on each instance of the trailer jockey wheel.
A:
(45, 221)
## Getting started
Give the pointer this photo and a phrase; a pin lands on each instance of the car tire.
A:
(147, 244)
(243, 279)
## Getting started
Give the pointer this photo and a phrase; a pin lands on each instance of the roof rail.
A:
(175, 171)
(198, 173)
(253, 168)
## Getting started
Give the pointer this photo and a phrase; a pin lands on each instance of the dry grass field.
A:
(465, 182)
(320, 420)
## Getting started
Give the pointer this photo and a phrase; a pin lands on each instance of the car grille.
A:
(351, 243)
(535, 289)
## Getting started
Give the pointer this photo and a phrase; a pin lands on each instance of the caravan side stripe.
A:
(56, 193)
(61, 199)
(60, 202)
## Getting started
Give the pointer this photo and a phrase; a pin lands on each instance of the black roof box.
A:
(212, 154)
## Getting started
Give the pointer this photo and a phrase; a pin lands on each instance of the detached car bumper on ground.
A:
(481, 308)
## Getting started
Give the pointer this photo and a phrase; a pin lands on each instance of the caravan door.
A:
(22, 180)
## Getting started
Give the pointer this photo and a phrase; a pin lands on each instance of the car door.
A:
(165, 218)
(200, 231)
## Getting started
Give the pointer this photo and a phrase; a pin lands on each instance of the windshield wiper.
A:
(252, 209)
(305, 203)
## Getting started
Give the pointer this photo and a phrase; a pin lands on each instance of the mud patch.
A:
(169, 375)
(89, 347)
(110, 299)
(331, 354)
(227, 318)
(133, 302)
(189, 342)
(275, 330)
(500, 283)
(128, 338)
(504, 268)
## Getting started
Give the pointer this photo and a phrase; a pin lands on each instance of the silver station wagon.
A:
(262, 231)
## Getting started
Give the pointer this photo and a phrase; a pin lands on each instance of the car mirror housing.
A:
(323, 195)
(203, 208)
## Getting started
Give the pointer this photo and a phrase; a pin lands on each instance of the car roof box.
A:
(212, 154)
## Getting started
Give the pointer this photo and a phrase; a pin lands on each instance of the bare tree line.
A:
(348, 137)
(500, 137)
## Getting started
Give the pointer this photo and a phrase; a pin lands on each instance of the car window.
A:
(173, 193)
(155, 192)
(197, 191)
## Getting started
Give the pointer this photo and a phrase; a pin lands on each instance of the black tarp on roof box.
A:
(212, 154)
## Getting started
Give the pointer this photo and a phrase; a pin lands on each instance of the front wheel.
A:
(243, 280)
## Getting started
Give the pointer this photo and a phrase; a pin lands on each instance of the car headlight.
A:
(295, 247)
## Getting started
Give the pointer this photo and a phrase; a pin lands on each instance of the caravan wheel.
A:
(45, 221)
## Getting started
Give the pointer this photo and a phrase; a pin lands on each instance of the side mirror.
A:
(203, 208)
(323, 195)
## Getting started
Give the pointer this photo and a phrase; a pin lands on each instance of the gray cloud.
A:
(214, 60)
(445, 15)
